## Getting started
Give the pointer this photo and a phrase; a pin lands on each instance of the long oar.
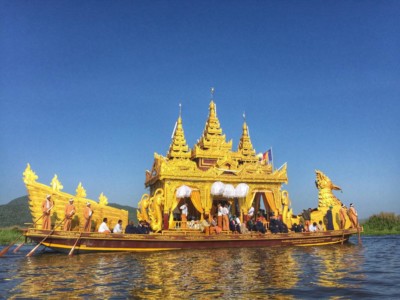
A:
(51, 232)
(16, 249)
(73, 248)
(5, 250)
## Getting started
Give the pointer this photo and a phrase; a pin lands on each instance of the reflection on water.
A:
(286, 273)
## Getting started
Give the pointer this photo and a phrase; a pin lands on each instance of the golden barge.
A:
(202, 177)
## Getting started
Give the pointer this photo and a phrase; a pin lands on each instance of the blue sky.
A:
(89, 90)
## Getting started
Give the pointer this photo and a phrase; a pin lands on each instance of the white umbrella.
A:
(241, 190)
(229, 191)
(217, 188)
(183, 191)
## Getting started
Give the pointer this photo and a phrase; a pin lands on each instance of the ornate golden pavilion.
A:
(200, 169)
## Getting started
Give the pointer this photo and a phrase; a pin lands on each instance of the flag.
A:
(267, 156)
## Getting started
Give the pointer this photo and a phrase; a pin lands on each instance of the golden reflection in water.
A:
(196, 274)
(217, 273)
(336, 263)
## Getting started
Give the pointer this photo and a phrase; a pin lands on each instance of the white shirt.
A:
(117, 228)
(225, 211)
(312, 228)
(184, 209)
(237, 220)
(251, 211)
(103, 227)
(220, 211)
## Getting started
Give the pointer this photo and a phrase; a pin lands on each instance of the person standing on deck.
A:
(69, 213)
(184, 215)
(219, 216)
(329, 219)
(87, 214)
(47, 205)
(353, 216)
(225, 218)
(250, 213)
(342, 216)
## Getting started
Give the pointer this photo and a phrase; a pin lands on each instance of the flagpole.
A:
(272, 160)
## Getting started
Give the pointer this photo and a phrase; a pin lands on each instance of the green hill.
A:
(16, 212)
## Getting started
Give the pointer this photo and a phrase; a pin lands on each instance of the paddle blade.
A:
(19, 247)
(5, 250)
(33, 250)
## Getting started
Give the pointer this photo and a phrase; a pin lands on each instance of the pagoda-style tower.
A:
(178, 148)
(245, 148)
(189, 176)
(212, 144)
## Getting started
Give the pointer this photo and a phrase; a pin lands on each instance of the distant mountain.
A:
(16, 212)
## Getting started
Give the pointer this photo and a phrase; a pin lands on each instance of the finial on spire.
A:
(212, 93)
(244, 116)
(180, 109)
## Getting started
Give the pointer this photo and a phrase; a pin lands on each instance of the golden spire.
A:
(178, 147)
(245, 147)
(212, 138)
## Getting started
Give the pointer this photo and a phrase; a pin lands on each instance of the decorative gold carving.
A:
(29, 176)
(37, 193)
(155, 211)
(80, 191)
(325, 186)
(56, 184)
(178, 147)
(142, 211)
(212, 143)
(245, 148)
(103, 200)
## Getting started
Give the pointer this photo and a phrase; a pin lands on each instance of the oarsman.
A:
(47, 205)
(342, 216)
(353, 216)
(87, 214)
(69, 213)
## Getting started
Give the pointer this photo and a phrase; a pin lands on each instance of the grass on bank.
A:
(381, 224)
(10, 234)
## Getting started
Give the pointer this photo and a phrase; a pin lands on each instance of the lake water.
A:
(369, 271)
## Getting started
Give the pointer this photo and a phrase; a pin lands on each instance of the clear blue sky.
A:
(89, 90)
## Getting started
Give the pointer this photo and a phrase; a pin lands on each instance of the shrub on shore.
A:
(382, 223)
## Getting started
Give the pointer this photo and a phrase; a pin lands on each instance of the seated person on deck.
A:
(103, 227)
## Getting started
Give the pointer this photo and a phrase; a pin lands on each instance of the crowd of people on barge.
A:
(223, 220)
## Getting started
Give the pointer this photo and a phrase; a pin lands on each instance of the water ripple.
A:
(368, 271)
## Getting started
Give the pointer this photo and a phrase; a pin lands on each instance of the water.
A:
(368, 271)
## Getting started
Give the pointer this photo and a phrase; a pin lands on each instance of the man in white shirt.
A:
(225, 218)
(184, 214)
(250, 213)
(118, 227)
(103, 227)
